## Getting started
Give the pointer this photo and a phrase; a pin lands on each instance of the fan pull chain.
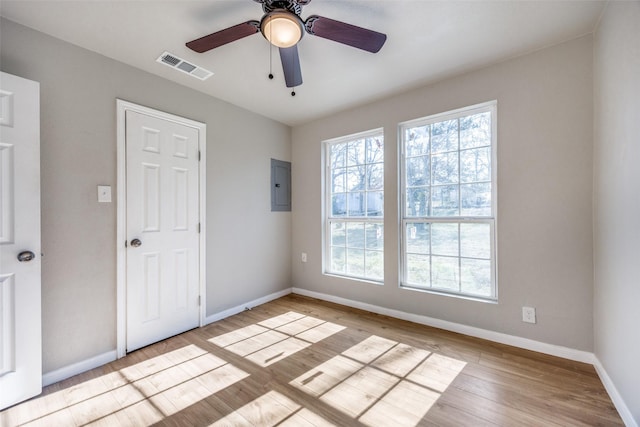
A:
(270, 57)
(270, 62)
(293, 91)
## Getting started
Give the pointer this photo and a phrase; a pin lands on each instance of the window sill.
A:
(355, 279)
(444, 293)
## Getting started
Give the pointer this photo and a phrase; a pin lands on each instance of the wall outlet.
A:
(303, 257)
(104, 193)
(529, 314)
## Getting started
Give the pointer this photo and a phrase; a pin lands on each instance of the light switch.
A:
(104, 193)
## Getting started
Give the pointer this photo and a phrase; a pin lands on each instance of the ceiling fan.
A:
(283, 27)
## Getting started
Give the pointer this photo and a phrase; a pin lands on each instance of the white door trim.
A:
(121, 230)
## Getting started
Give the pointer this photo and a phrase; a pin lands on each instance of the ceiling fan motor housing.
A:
(292, 6)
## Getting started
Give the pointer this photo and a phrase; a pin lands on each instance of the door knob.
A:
(26, 256)
(136, 243)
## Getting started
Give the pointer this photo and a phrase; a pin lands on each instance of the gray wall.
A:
(78, 151)
(545, 139)
(617, 198)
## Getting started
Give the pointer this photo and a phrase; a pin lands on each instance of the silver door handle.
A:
(136, 243)
(26, 256)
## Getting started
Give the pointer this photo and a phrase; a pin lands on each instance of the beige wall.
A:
(617, 199)
(248, 246)
(545, 103)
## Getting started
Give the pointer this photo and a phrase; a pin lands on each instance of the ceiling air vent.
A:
(173, 61)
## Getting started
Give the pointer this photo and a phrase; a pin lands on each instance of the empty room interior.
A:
(315, 213)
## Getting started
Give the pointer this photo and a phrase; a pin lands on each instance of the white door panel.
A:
(20, 294)
(162, 215)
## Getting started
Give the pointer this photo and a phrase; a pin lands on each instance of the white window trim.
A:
(326, 218)
(492, 107)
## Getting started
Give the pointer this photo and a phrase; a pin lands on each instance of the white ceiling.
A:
(427, 41)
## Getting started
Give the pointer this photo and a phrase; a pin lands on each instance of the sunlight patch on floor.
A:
(381, 382)
(140, 394)
(376, 382)
(277, 338)
(271, 409)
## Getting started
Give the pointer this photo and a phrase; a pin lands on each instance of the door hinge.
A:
(199, 300)
(199, 155)
(198, 228)
(126, 243)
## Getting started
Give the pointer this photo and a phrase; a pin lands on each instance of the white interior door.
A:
(20, 310)
(162, 277)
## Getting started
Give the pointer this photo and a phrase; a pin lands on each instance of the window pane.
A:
(339, 204)
(475, 240)
(418, 171)
(475, 165)
(338, 181)
(445, 168)
(375, 150)
(419, 270)
(417, 202)
(476, 277)
(375, 203)
(338, 155)
(417, 238)
(475, 131)
(338, 236)
(374, 265)
(355, 262)
(355, 234)
(444, 273)
(444, 238)
(374, 236)
(417, 141)
(476, 199)
(356, 178)
(444, 201)
(356, 204)
(355, 152)
(338, 259)
(444, 136)
(375, 176)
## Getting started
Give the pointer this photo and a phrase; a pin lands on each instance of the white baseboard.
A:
(616, 398)
(102, 359)
(528, 344)
(77, 368)
(242, 307)
(525, 343)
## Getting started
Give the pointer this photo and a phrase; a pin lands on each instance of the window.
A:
(355, 206)
(448, 208)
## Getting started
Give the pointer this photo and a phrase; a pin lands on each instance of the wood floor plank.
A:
(297, 361)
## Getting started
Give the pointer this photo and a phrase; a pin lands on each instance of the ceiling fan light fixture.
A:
(281, 28)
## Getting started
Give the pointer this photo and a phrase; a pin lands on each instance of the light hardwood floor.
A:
(298, 361)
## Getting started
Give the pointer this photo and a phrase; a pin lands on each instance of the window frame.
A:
(329, 219)
(492, 220)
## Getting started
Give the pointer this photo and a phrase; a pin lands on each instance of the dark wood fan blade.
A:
(291, 66)
(344, 33)
(225, 36)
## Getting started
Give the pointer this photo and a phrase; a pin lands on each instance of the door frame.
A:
(122, 107)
